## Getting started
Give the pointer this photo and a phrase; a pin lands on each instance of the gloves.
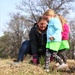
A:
(35, 59)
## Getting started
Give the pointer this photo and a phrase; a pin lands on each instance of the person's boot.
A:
(17, 60)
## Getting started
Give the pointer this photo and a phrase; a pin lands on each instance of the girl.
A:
(64, 44)
(53, 37)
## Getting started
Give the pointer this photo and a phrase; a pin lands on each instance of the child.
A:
(64, 44)
(53, 37)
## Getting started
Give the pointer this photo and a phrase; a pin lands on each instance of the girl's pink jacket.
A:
(65, 33)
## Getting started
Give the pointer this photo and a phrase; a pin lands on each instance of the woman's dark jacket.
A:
(37, 39)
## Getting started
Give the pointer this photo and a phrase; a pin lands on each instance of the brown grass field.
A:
(8, 67)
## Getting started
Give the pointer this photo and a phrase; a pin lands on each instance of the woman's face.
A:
(42, 24)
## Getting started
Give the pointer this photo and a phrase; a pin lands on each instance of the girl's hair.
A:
(50, 12)
(62, 20)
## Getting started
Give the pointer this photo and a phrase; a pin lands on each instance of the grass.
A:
(8, 67)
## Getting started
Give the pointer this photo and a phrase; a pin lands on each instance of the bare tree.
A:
(36, 8)
(5, 45)
(18, 27)
(72, 38)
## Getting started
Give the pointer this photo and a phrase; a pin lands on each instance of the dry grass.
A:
(8, 67)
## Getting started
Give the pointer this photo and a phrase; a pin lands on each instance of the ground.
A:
(8, 67)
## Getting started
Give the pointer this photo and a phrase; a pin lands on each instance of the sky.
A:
(6, 7)
(9, 6)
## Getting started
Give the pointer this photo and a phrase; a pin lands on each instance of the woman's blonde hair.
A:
(50, 12)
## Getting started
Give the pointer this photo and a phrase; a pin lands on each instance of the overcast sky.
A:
(6, 7)
(9, 6)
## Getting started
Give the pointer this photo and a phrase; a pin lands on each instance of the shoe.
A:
(63, 65)
(57, 64)
(17, 61)
(47, 70)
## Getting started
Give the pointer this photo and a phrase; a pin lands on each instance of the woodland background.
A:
(20, 23)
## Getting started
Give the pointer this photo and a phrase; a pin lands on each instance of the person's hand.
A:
(51, 38)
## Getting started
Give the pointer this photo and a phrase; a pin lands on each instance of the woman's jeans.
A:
(24, 50)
